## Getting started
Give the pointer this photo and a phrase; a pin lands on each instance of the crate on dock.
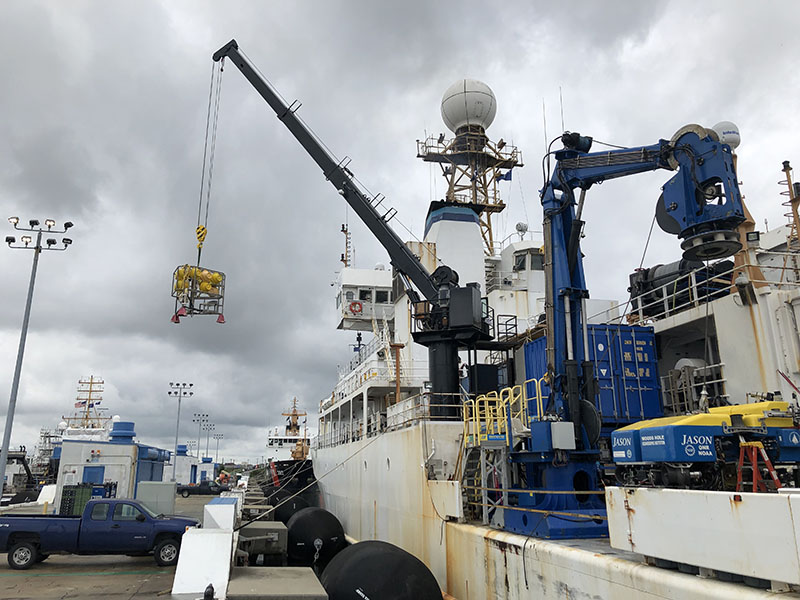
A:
(74, 498)
(269, 538)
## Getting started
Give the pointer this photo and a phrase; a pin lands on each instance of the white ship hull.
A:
(395, 502)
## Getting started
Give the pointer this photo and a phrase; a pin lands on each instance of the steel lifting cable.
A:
(209, 148)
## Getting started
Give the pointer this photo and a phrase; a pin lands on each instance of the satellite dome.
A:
(380, 267)
(62, 426)
(116, 419)
(728, 133)
(468, 102)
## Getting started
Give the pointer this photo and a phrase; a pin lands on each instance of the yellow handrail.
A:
(488, 414)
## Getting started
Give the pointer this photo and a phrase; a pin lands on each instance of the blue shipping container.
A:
(626, 368)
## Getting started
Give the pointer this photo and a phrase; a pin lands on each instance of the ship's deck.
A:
(588, 568)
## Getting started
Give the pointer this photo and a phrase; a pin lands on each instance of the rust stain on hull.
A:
(758, 348)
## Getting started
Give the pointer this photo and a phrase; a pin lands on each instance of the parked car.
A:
(107, 526)
(204, 488)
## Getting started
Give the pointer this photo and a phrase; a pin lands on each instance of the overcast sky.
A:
(102, 116)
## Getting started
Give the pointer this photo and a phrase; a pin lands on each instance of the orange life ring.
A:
(356, 307)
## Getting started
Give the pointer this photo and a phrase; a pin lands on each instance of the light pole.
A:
(218, 437)
(25, 244)
(208, 428)
(200, 419)
(179, 390)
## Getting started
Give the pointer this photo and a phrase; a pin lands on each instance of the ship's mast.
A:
(471, 163)
(89, 396)
(793, 239)
(293, 427)
(347, 255)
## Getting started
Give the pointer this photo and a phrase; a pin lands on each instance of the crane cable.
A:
(212, 119)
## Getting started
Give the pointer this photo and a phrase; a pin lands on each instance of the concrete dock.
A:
(96, 577)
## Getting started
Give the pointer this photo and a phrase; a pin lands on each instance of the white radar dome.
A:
(62, 426)
(116, 419)
(728, 133)
(468, 102)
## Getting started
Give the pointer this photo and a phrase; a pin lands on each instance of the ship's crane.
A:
(702, 205)
(450, 315)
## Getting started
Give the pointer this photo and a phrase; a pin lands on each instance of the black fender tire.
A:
(166, 552)
(22, 555)
(185, 493)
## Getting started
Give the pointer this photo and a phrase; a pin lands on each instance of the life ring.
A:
(356, 307)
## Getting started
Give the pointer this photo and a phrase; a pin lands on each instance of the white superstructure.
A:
(389, 471)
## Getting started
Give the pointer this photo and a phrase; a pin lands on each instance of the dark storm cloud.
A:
(102, 117)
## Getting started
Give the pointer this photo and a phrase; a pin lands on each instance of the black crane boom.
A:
(400, 255)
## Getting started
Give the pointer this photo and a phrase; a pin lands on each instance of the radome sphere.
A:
(468, 102)
(728, 133)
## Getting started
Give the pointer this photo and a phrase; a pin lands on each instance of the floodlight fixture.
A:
(27, 243)
(67, 225)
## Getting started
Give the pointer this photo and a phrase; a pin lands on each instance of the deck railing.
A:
(698, 287)
(400, 415)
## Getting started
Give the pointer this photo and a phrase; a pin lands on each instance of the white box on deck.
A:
(206, 556)
(220, 513)
(749, 534)
(158, 495)
(239, 496)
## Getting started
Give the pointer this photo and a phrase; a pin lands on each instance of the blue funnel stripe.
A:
(451, 213)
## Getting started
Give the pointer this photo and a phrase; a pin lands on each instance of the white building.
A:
(120, 460)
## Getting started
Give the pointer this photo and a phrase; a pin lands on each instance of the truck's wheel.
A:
(22, 555)
(185, 493)
(166, 552)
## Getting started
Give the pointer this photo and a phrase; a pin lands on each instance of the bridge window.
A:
(537, 262)
(381, 296)
(519, 261)
(365, 295)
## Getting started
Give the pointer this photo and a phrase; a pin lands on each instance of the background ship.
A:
(289, 473)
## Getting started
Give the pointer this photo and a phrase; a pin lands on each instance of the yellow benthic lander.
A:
(198, 291)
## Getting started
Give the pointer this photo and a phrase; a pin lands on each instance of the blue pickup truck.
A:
(106, 527)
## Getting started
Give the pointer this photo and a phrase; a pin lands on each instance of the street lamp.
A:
(179, 390)
(208, 428)
(218, 437)
(37, 249)
(201, 419)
